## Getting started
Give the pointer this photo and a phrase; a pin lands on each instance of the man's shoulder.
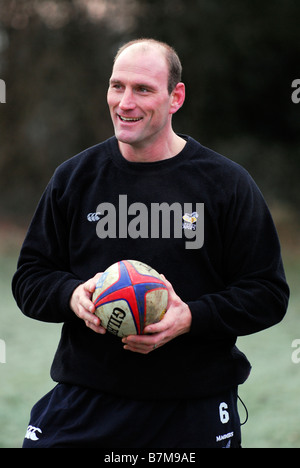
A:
(213, 161)
(81, 169)
(96, 154)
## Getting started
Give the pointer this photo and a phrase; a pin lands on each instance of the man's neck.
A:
(151, 153)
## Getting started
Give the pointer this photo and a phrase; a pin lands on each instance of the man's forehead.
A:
(141, 65)
(142, 55)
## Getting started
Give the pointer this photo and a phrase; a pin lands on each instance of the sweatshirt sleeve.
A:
(255, 293)
(43, 284)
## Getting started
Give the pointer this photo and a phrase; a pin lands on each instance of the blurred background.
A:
(240, 58)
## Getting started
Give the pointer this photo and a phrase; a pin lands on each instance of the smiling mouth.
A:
(129, 119)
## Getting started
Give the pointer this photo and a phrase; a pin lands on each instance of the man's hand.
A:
(176, 321)
(83, 306)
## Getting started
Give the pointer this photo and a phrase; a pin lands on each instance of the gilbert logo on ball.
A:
(129, 296)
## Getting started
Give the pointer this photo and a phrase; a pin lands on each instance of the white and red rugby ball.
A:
(129, 296)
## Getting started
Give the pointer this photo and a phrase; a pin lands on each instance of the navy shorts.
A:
(75, 417)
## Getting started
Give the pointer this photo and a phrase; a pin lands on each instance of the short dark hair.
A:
(173, 61)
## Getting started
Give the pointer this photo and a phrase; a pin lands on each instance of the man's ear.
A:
(178, 97)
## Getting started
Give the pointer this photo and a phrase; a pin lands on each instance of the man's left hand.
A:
(176, 321)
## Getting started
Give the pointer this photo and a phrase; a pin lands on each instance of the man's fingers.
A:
(81, 303)
(90, 285)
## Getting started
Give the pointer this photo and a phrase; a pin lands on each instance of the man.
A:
(176, 385)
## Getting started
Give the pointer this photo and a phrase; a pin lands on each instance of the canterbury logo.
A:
(31, 433)
(92, 217)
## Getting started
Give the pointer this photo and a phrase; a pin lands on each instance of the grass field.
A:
(271, 394)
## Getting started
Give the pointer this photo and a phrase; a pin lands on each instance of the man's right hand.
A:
(82, 305)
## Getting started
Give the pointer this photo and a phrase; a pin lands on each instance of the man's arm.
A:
(43, 283)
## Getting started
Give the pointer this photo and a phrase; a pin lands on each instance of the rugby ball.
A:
(129, 296)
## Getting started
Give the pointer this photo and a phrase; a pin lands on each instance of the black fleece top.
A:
(222, 258)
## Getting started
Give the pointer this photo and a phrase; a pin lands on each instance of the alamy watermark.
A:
(296, 354)
(296, 94)
(2, 352)
(160, 220)
(2, 92)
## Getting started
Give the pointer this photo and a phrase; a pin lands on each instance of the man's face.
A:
(138, 98)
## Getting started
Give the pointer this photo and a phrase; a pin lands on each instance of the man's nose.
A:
(127, 102)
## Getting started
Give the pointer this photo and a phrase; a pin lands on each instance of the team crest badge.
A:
(190, 221)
